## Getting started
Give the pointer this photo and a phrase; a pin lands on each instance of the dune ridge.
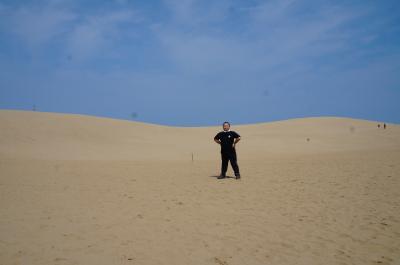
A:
(67, 136)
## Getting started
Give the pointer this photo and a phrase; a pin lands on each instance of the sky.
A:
(200, 63)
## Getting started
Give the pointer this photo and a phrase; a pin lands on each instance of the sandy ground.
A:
(83, 190)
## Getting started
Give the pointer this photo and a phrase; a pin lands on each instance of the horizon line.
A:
(201, 126)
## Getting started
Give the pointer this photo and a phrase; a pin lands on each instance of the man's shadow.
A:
(227, 177)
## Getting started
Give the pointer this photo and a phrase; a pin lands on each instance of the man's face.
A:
(226, 126)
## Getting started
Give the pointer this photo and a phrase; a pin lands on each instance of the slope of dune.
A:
(77, 189)
(66, 136)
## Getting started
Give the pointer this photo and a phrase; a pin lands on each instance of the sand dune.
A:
(77, 189)
(65, 136)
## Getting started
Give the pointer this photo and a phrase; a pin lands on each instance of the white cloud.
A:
(182, 10)
(197, 14)
(36, 25)
(97, 32)
(80, 35)
(273, 36)
(271, 11)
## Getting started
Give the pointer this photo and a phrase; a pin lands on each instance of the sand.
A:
(77, 189)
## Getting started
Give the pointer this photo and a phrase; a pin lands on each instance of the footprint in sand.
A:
(60, 259)
(220, 261)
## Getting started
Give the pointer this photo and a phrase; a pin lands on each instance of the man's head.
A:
(226, 125)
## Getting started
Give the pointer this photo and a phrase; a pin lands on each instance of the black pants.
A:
(229, 156)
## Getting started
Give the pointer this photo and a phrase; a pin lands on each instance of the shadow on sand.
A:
(227, 177)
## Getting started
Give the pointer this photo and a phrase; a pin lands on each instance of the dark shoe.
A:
(221, 176)
(237, 176)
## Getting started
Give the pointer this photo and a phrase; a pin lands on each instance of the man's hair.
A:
(225, 122)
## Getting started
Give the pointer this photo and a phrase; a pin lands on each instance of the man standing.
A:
(228, 139)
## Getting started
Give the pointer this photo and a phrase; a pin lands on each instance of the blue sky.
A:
(195, 63)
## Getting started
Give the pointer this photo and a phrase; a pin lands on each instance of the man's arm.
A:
(236, 141)
(216, 139)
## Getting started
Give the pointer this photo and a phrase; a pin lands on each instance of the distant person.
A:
(384, 126)
(228, 139)
(379, 126)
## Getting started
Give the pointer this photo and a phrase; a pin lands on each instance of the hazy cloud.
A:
(36, 25)
(95, 33)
